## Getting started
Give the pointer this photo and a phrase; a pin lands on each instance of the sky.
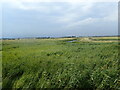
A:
(30, 18)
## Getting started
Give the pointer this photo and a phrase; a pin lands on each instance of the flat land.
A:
(87, 62)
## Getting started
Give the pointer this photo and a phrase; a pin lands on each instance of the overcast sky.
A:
(33, 19)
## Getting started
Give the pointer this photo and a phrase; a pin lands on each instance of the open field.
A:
(57, 63)
(0, 64)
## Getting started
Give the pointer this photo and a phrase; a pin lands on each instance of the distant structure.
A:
(68, 37)
(42, 37)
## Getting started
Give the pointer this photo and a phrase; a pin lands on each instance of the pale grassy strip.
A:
(105, 41)
(106, 37)
(90, 40)
(31, 40)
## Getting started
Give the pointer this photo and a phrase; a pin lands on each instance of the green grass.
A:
(0, 64)
(53, 63)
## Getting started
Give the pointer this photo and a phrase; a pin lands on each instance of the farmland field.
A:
(57, 63)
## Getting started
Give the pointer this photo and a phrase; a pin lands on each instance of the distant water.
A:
(72, 41)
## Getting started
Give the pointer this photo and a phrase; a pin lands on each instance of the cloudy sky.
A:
(32, 18)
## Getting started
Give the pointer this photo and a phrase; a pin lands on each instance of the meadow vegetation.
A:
(0, 64)
(57, 63)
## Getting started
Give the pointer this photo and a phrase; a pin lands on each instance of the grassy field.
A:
(0, 74)
(57, 63)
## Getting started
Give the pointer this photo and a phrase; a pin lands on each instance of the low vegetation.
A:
(57, 63)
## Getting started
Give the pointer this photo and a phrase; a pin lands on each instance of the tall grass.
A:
(60, 64)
